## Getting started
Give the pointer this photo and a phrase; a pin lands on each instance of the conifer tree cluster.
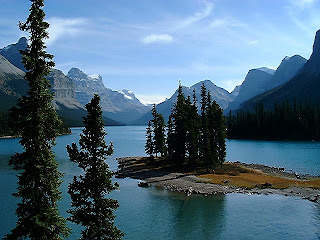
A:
(194, 138)
(286, 121)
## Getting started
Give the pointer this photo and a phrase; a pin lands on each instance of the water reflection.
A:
(199, 217)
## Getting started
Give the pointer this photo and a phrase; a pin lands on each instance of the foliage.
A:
(287, 121)
(90, 207)
(156, 141)
(36, 121)
(149, 147)
(179, 131)
(4, 124)
(194, 140)
(159, 132)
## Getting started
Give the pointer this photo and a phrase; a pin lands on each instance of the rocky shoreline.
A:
(191, 184)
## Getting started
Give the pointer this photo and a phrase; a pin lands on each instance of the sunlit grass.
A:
(238, 176)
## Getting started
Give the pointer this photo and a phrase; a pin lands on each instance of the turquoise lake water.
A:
(152, 213)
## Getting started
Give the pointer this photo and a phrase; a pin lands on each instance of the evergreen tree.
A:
(178, 116)
(220, 125)
(211, 161)
(36, 121)
(205, 152)
(159, 132)
(90, 207)
(170, 139)
(192, 138)
(149, 147)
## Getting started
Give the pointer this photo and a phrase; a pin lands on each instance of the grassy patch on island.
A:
(238, 176)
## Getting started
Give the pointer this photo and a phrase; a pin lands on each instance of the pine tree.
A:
(159, 135)
(36, 121)
(159, 132)
(170, 139)
(205, 152)
(149, 147)
(192, 138)
(90, 207)
(220, 134)
(178, 116)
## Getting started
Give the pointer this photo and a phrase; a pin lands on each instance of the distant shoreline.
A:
(8, 137)
(192, 184)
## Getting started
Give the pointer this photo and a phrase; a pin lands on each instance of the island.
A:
(233, 177)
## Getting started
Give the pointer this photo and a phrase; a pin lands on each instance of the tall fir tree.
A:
(35, 119)
(178, 116)
(170, 139)
(205, 152)
(149, 147)
(212, 160)
(90, 207)
(159, 132)
(221, 134)
(192, 137)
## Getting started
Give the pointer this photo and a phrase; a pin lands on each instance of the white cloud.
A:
(198, 16)
(150, 99)
(164, 38)
(253, 42)
(61, 27)
(303, 3)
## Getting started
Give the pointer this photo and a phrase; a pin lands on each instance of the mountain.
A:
(235, 92)
(254, 84)
(287, 69)
(120, 105)
(222, 96)
(304, 86)
(12, 84)
(12, 52)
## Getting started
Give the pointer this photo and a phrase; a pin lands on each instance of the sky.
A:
(147, 46)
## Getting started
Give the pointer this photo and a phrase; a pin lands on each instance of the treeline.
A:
(193, 137)
(6, 128)
(286, 121)
(4, 124)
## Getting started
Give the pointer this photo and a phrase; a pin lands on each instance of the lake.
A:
(153, 213)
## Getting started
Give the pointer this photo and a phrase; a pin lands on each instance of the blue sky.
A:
(148, 45)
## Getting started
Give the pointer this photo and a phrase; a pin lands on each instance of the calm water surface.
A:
(151, 213)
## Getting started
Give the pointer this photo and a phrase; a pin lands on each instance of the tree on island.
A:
(179, 129)
(90, 207)
(205, 149)
(193, 140)
(156, 138)
(149, 147)
(36, 121)
(193, 128)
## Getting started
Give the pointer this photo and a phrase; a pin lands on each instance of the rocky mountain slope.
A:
(13, 86)
(304, 86)
(120, 105)
(12, 52)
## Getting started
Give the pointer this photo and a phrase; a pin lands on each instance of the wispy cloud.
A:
(253, 42)
(196, 17)
(163, 38)
(61, 27)
(303, 3)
